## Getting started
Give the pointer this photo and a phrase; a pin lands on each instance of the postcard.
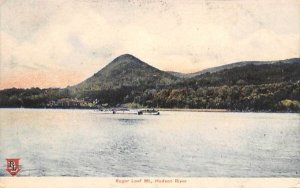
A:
(153, 93)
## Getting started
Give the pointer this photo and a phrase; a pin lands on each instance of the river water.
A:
(187, 144)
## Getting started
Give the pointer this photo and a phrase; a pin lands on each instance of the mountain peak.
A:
(128, 58)
(126, 70)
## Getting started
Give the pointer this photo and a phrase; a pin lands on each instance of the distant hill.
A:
(242, 86)
(233, 65)
(125, 70)
(177, 74)
(246, 73)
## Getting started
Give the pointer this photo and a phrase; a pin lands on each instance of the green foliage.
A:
(133, 105)
(290, 105)
(129, 81)
(125, 71)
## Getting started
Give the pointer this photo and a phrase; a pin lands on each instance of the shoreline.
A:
(164, 110)
(192, 110)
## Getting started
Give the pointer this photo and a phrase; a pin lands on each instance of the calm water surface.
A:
(186, 144)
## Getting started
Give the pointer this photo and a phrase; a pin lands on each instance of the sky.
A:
(57, 43)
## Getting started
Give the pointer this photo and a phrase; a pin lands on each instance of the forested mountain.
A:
(126, 70)
(243, 86)
(250, 74)
(231, 66)
(240, 64)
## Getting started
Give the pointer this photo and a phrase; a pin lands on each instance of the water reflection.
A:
(126, 121)
(80, 143)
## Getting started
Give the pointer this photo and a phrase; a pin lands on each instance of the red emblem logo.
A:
(13, 166)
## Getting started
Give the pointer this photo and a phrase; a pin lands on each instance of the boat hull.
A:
(135, 112)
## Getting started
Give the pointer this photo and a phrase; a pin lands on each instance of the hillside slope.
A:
(251, 74)
(126, 70)
(234, 65)
(250, 86)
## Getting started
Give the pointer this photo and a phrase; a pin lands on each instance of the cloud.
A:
(61, 43)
